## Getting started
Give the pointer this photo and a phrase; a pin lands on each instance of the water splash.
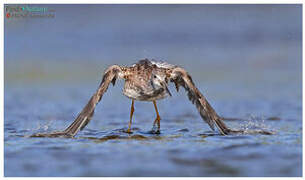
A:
(256, 125)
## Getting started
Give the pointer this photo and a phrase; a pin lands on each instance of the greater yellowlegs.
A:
(147, 80)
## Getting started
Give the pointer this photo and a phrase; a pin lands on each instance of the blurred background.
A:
(246, 59)
(227, 41)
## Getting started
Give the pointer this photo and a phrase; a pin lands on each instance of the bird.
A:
(147, 80)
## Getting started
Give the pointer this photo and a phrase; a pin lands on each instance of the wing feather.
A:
(181, 78)
(86, 114)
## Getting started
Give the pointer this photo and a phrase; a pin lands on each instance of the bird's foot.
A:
(128, 131)
(154, 131)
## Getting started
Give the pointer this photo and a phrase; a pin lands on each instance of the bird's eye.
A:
(155, 76)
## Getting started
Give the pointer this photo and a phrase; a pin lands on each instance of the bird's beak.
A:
(165, 87)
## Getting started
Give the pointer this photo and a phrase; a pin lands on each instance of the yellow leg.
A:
(157, 120)
(131, 113)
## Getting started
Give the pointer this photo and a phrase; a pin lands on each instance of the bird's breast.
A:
(143, 91)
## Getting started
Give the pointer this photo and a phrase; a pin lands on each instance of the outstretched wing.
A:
(181, 78)
(83, 118)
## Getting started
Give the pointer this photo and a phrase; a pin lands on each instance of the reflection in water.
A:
(250, 128)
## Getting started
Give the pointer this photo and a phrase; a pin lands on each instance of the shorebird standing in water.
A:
(147, 80)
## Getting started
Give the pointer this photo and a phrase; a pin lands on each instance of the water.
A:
(185, 146)
(244, 59)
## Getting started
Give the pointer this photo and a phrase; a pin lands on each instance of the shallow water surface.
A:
(185, 147)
